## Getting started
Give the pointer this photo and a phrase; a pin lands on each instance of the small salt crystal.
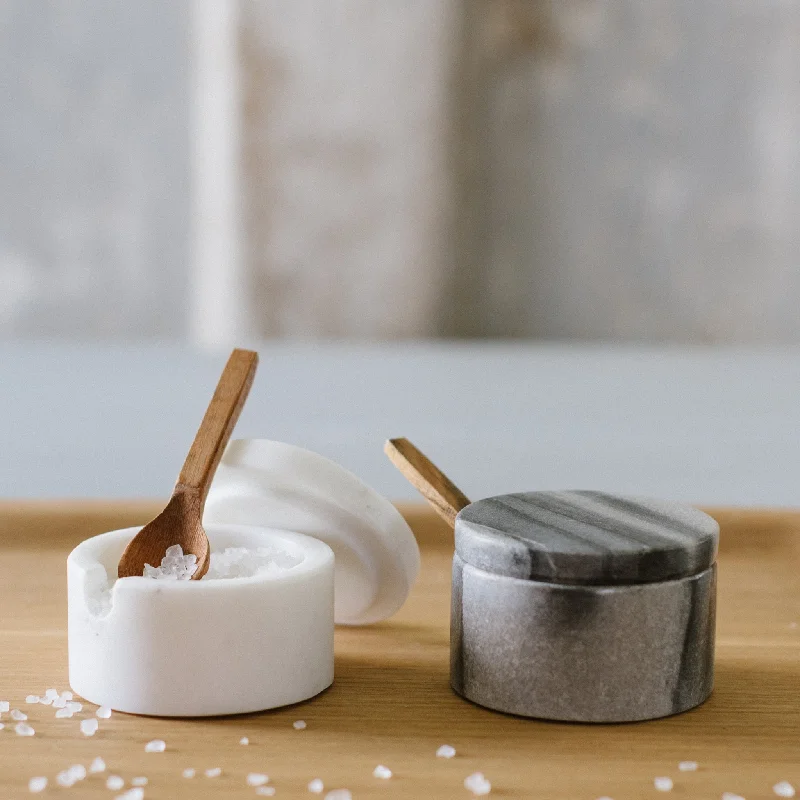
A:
(783, 789)
(23, 729)
(731, 796)
(59, 702)
(316, 786)
(37, 785)
(64, 713)
(139, 781)
(104, 712)
(189, 772)
(446, 751)
(98, 765)
(46, 701)
(4, 706)
(66, 696)
(156, 746)
(663, 784)
(266, 791)
(74, 707)
(32, 698)
(382, 772)
(339, 794)
(114, 782)
(51, 694)
(299, 725)
(214, 772)
(89, 726)
(2, 725)
(132, 794)
(688, 766)
(18, 715)
(175, 566)
(478, 784)
(66, 779)
(257, 779)
(244, 740)
(78, 771)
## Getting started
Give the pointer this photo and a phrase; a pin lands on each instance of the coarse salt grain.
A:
(51, 694)
(78, 771)
(89, 726)
(139, 781)
(114, 782)
(4, 706)
(316, 786)
(214, 772)
(98, 765)
(37, 785)
(175, 566)
(382, 772)
(64, 713)
(66, 696)
(663, 784)
(446, 751)
(104, 712)
(2, 725)
(257, 779)
(155, 746)
(23, 729)
(132, 794)
(189, 772)
(687, 766)
(18, 715)
(74, 707)
(339, 794)
(244, 740)
(477, 784)
(299, 725)
(783, 789)
(66, 778)
(266, 791)
(731, 796)
(32, 698)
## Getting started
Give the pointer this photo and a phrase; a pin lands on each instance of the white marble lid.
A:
(276, 485)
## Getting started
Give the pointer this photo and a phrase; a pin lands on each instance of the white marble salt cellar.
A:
(242, 644)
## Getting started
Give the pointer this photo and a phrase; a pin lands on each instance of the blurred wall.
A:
(571, 168)
(94, 167)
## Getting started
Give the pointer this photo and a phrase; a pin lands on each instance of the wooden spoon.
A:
(181, 521)
(445, 497)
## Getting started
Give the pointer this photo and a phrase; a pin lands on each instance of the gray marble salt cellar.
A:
(577, 606)
(583, 606)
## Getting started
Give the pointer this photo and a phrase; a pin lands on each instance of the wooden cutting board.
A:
(391, 703)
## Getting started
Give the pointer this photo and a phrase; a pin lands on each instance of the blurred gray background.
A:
(208, 170)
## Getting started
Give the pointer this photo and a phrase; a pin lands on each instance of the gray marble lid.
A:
(583, 537)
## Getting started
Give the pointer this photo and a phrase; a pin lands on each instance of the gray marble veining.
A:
(583, 606)
(585, 537)
(582, 653)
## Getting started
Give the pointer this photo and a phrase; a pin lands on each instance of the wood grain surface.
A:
(391, 703)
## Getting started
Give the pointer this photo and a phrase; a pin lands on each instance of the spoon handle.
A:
(218, 423)
(445, 497)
